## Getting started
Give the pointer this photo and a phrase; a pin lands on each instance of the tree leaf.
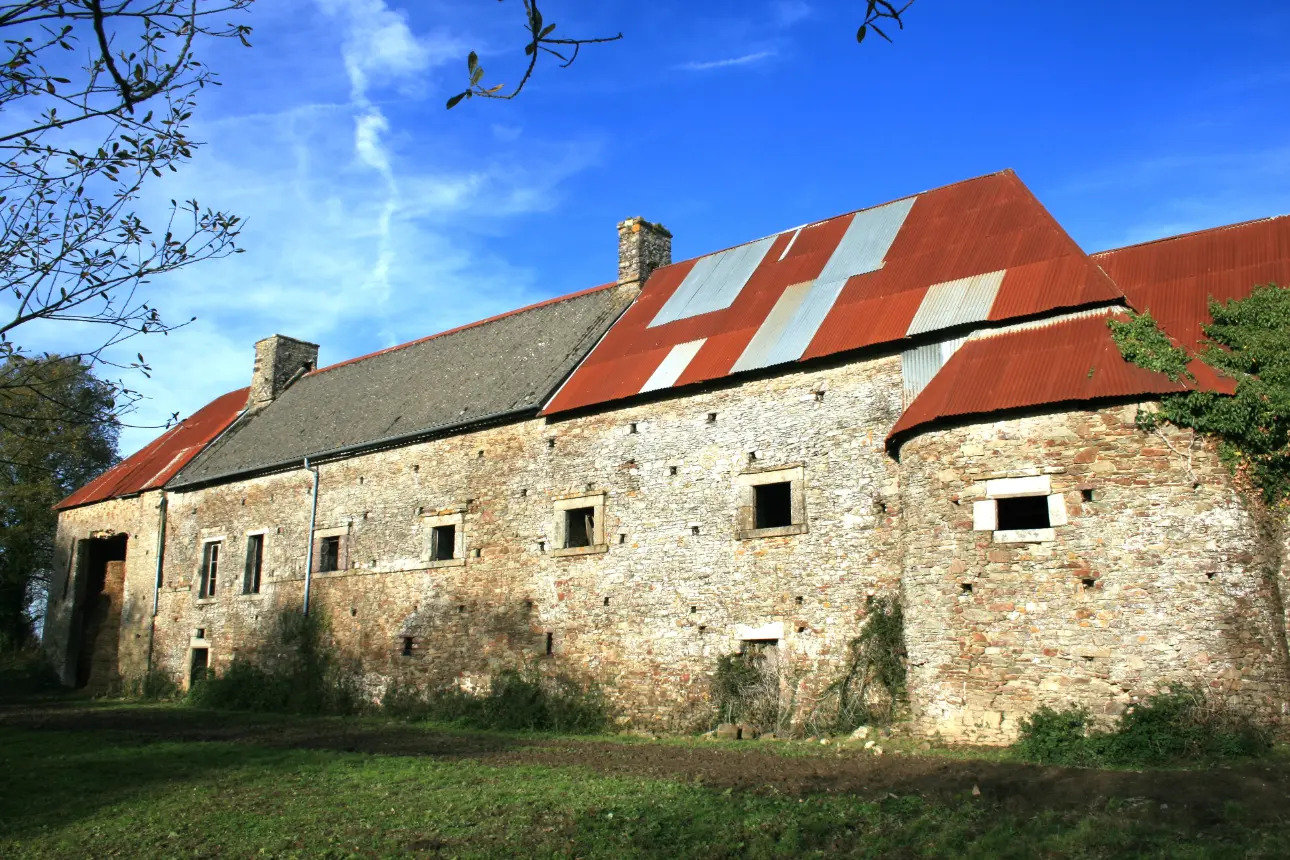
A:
(452, 102)
(862, 32)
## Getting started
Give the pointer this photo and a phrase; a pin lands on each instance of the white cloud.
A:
(746, 59)
(789, 12)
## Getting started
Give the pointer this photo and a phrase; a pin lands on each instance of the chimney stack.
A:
(279, 361)
(642, 248)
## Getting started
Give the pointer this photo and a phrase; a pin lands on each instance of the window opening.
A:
(210, 568)
(965, 587)
(1023, 512)
(1086, 495)
(712, 418)
(329, 554)
(1089, 583)
(579, 527)
(254, 564)
(606, 601)
(671, 470)
(550, 644)
(443, 542)
(774, 505)
(407, 646)
(631, 429)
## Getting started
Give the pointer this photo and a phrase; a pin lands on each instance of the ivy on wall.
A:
(1249, 341)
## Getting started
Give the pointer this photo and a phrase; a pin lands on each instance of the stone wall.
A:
(1155, 578)
(136, 517)
(648, 614)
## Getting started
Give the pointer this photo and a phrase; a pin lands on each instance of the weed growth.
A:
(516, 701)
(1169, 728)
(296, 671)
(872, 687)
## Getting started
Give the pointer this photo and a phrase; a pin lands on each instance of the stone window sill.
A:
(204, 601)
(568, 551)
(445, 562)
(1025, 536)
(780, 531)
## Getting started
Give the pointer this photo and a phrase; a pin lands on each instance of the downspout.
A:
(156, 581)
(313, 519)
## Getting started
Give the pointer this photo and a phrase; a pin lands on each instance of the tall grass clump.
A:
(1175, 727)
(297, 671)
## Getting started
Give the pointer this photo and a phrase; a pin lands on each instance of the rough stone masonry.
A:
(1050, 555)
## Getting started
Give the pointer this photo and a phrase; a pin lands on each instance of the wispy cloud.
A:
(746, 59)
(789, 12)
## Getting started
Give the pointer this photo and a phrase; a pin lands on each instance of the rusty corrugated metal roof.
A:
(984, 249)
(155, 463)
(1065, 359)
(1174, 278)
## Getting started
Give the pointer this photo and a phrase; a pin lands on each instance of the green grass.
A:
(114, 793)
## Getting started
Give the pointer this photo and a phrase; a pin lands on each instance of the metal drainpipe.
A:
(313, 519)
(156, 581)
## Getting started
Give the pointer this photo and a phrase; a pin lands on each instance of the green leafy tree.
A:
(1249, 341)
(58, 434)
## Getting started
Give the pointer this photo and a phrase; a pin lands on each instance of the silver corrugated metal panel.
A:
(806, 322)
(673, 365)
(956, 302)
(868, 239)
(917, 367)
(713, 283)
(920, 364)
(772, 328)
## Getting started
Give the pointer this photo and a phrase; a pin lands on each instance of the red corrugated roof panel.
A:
(1175, 278)
(1068, 359)
(981, 226)
(157, 462)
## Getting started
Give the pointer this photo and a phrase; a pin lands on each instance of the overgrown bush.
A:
(748, 688)
(25, 672)
(296, 671)
(872, 686)
(1169, 728)
(516, 701)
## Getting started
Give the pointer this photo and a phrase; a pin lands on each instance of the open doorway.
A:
(198, 665)
(96, 624)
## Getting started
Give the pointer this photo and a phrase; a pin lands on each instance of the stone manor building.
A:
(919, 399)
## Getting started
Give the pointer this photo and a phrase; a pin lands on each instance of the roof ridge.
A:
(1190, 234)
(1007, 171)
(464, 327)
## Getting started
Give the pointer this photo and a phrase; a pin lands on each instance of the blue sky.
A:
(375, 216)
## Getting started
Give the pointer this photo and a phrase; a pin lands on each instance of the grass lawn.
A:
(141, 781)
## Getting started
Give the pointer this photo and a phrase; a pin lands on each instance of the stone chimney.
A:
(642, 248)
(279, 361)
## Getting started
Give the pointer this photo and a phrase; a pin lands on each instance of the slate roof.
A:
(504, 365)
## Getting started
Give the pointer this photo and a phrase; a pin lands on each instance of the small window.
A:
(407, 646)
(774, 505)
(1023, 512)
(329, 554)
(254, 564)
(198, 665)
(579, 527)
(443, 542)
(210, 568)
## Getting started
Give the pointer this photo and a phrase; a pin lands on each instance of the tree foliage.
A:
(1249, 341)
(98, 96)
(44, 456)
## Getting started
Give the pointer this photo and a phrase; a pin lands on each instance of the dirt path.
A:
(1263, 789)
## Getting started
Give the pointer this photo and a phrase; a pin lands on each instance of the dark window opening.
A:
(407, 646)
(210, 569)
(694, 530)
(622, 537)
(1023, 512)
(254, 564)
(712, 418)
(329, 554)
(443, 542)
(693, 609)
(774, 505)
(671, 470)
(606, 601)
(579, 527)
(703, 628)
(1086, 495)
(1089, 583)
(201, 633)
(550, 644)
(819, 395)
(631, 428)
(476, 552)
(799, 600)
(965, 587)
